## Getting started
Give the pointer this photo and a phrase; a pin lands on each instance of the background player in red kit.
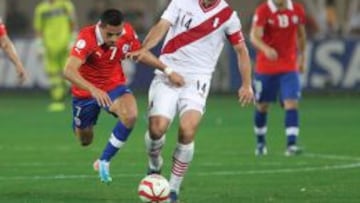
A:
(278, 33)
(9, 49)
(94, 69)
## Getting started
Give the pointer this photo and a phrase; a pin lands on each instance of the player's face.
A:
(111, 34)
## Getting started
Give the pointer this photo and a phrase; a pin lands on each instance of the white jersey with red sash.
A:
(197, 35)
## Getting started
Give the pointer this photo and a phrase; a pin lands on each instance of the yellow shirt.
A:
(55, 22)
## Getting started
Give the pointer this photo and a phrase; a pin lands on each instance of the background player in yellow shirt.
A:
(54, 23)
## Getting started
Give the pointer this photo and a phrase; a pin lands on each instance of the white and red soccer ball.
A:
(154, 188)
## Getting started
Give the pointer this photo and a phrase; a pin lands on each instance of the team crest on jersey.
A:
(126, 48)
(295, 19)
(216, 22)
(80, 44)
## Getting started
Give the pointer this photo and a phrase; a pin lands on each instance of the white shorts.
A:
(166, 100)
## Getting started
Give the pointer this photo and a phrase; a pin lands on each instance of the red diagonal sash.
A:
(197, 32)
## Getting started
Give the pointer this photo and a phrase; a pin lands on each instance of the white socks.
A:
(153, 149)
(182, 157)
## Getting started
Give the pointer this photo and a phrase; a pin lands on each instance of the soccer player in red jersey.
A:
(278, 33)
(98, 81)
(8, 47)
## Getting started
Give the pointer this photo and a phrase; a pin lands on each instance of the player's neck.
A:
(208, 3)
(281, 6)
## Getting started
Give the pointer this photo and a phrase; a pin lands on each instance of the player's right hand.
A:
(102, 97)
(176, 79)
(246, 95)
(271, 54)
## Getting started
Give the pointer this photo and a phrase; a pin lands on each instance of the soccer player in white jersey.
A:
(196, 32)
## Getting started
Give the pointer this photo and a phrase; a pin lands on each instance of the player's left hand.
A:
(246, 95)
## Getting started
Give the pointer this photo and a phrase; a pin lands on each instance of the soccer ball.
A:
(154, 188)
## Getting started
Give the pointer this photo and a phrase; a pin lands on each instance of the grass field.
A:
(41, 161)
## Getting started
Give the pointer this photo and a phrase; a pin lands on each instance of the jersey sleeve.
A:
(171, 12)
(82, 47)
(260, 17)
(2, 29)
(302, 14)
(233, 30)
(133, 38)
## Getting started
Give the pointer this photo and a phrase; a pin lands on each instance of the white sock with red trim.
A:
(153, 148)
(182, 157)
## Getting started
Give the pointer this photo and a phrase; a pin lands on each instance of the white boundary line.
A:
(217, 173)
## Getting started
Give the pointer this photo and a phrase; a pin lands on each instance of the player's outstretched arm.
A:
(153, 61)
(245, 93)
(155, 35)
(256, 34)
(72, 74)
(8, 47)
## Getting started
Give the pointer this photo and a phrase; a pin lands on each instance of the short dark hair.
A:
(112, 17)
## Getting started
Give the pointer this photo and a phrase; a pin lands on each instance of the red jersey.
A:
(102, 66)
(2, 29)
(280, 33)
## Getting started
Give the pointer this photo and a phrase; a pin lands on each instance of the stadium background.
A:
(40, 160)
(333, 49)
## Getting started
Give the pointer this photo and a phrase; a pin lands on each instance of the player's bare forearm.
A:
(255, 38)
(302, 39)
(72, 74)
(245, 93)
(156, 34)
(244, 63)
(10, 51)
(151, 60)
(301, 35)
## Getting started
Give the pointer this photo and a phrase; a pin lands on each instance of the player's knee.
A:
(158, 127)
(156, 131)
(85, 141)
(85, 136)
(290, 104)
(262, 107)
(187, 133)
(129, 119)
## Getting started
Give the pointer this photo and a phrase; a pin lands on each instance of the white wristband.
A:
(168, 71)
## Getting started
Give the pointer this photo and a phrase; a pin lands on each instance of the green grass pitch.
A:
(42, 162)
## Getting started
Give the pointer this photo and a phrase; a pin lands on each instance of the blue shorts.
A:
(86, 111)
(267, 87)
